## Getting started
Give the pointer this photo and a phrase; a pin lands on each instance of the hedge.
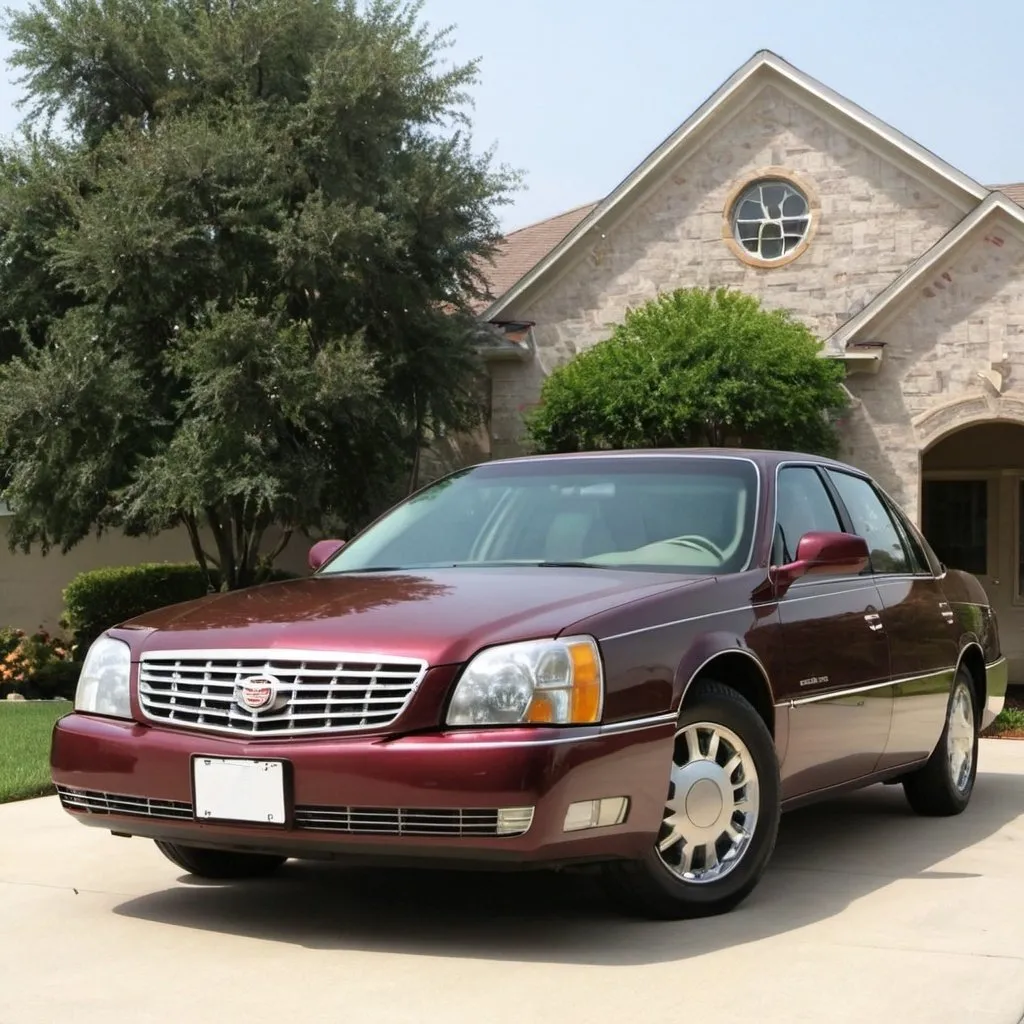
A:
(96, 600)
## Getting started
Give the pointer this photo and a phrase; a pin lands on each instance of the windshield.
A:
(672, 513)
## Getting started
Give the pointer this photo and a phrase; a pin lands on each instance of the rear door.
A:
(918, 619)
(835, 678)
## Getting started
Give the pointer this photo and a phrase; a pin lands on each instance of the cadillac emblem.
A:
(257, 693)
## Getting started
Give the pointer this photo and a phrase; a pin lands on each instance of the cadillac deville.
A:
(631, 662)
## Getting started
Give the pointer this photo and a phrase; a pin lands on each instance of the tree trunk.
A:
(414, 475)
(225, 548)
(192, 526)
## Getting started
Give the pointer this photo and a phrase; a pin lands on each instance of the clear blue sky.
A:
(577, 92)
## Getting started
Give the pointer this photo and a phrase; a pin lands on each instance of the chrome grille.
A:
(399, 821)
(95, 802)
(314, 692)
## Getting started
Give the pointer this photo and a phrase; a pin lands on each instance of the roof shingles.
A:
(521, 250)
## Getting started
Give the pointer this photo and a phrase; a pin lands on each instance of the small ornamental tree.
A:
(697, 367)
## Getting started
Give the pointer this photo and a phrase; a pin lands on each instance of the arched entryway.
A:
(972, 512)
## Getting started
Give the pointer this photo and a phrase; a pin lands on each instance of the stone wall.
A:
(954, 356)
(873, 221)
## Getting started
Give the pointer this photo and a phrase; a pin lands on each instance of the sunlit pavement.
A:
(866, 914)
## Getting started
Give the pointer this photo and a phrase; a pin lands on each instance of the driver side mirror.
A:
(323, 551)
(824, 553)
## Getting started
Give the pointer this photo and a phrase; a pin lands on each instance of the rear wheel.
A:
(224, 865)
(721, 814)
(944, 785)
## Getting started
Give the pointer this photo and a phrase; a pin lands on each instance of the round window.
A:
(770, 219)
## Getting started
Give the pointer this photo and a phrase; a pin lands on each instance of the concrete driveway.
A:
(867, 914)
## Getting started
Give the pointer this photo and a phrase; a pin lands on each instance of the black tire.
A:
(649, 887)
(934, 790)
(222, 865)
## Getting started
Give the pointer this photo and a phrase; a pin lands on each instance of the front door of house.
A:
(975, 522)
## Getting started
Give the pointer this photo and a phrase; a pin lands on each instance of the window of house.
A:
(872, 521)
(954, 519)
(804, 506)
(771, 218)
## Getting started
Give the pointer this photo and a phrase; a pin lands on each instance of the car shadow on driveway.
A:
(827, 857)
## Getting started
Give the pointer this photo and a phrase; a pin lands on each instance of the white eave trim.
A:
(860, 361)
(762, 61)
(995, 202)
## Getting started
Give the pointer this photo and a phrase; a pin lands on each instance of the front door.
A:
(975, 522)
(836, 671)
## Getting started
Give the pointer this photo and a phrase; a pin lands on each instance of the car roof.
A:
(766, 458)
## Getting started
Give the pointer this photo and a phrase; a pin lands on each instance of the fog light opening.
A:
(596, 813)
(514, 821)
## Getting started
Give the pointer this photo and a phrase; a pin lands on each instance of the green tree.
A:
(239, 246)
(695, 367)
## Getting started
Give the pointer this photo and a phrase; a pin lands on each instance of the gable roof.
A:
(918, 271)
(763, 68)
(521, 250)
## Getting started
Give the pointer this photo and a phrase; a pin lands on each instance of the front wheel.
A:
(943, 787)
(721, 816)
(221, 865)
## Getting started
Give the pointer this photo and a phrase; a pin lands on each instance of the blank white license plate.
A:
(239, 790)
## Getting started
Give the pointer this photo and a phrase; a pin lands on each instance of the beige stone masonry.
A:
(954, 356)
(874, 220)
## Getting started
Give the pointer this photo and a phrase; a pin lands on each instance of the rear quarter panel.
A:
(974, 614)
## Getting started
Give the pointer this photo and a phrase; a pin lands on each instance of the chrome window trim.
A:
(587, 456)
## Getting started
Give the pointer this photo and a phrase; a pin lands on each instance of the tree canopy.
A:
(239, 244)
(695, 368)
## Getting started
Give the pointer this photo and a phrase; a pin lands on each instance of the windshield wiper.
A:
(570, 565)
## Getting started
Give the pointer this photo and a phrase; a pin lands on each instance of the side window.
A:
(871, 520)
(804, 505)
(918, 560)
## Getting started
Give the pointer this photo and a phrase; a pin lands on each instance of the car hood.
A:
(442, 615)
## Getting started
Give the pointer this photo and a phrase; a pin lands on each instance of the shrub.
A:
(96, 600)
(56, 679)
(37, 666)
(695, 367)
(9, 640)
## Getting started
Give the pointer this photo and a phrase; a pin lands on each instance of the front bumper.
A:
(368, 798)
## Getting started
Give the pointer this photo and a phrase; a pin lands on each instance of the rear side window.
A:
(919, 561)
(872, 521)
(804, 506)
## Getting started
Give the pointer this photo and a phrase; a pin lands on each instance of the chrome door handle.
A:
(874, 621)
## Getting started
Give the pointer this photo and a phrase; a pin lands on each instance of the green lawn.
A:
(25, 747)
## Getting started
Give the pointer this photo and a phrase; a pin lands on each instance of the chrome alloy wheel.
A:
(712, 806)
(960, 737)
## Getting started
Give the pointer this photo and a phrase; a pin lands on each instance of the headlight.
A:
(103, 684)
(557, 682)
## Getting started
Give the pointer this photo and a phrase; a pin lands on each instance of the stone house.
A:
(911, 273)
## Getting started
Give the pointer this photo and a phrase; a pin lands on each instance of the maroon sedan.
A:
(634, 661)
